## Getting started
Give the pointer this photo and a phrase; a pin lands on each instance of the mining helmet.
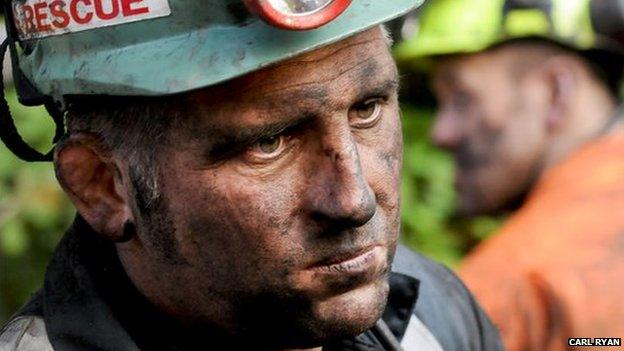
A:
(61, 48)
(468, 26)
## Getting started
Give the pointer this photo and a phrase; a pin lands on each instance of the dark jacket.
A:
(88, 303)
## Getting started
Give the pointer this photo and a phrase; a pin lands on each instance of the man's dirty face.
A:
(282, 194)
(488, 121)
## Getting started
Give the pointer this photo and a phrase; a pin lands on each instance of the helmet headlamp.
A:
(297, 14)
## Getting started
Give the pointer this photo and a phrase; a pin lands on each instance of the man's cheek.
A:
(391, 154)
(241, 217)
(392, 140)
(219, 246)
(386, 181)
(247, 250)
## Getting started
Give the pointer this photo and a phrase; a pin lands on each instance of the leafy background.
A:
(34, 212)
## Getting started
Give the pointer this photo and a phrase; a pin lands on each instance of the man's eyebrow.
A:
(234, 141)
(387, 86)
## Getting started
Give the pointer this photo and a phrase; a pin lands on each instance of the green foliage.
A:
(427, 191)
(34, 212)
(428, 197)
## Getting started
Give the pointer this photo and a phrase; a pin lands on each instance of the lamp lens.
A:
(298, 7)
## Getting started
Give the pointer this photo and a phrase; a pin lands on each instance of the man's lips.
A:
(350, 262)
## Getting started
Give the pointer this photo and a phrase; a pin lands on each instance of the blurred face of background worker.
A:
(510, 112)
(280, 197)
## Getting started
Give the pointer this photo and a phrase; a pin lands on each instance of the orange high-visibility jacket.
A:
(556, 268)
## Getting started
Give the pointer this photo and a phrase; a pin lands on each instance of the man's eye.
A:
(365, 114)
(268, 147)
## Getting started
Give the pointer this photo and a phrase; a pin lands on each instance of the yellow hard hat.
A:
(467, 26)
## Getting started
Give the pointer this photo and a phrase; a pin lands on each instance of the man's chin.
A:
(352, 312)
(346, 304)
(470, 203)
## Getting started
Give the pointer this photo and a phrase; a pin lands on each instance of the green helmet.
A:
(61, 48)
(468, 26)
(189, 45)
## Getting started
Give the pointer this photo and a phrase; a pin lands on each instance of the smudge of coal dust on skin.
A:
(154, 219)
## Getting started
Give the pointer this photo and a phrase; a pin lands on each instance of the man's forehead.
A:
(448, 69)
(360, 47)
(464, 69)
(318, 66)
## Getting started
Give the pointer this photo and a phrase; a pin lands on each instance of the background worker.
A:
(528, 106)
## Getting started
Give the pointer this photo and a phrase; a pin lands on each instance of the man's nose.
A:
(447, 130)
(338, 190)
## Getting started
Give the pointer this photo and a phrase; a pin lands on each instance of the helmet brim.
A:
(133, 59)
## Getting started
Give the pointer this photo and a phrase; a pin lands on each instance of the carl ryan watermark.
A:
(595, 342)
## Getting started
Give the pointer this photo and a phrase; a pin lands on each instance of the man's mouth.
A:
(352, 262)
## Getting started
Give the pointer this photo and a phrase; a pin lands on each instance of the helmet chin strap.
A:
(385, 336)
(8, 132)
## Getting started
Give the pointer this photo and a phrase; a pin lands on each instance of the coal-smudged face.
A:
(492, 126)
(279, 210)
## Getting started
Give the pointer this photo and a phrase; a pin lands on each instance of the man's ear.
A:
(94, 183)
(561, 77)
